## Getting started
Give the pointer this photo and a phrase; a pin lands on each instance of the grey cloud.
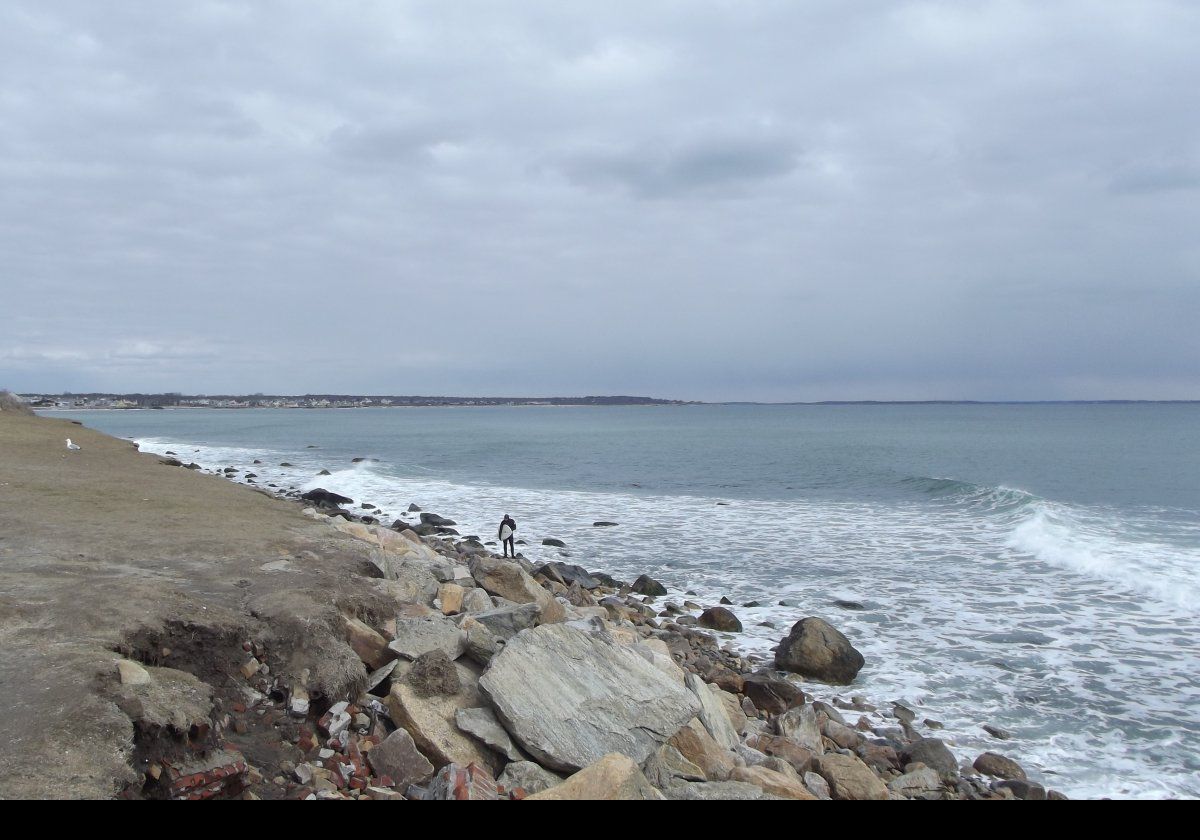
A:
(657, 169)
(1157, 177)
(709, 200)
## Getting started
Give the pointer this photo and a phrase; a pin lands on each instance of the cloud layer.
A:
(706, 200)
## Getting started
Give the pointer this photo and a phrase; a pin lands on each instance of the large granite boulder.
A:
(569, 697)
(511, 582)
(611, 777)
(431, 720)
(417, 635)
(712, 712)
(816, 650)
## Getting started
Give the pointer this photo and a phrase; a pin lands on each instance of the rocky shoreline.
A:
(485, 678)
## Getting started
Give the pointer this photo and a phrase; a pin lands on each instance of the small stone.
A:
(131, 673)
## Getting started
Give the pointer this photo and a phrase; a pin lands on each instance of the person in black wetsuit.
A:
(508, 527)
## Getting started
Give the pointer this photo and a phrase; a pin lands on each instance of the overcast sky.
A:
(700, 200)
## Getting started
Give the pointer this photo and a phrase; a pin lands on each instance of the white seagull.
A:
(74, 447)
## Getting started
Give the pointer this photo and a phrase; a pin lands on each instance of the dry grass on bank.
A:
(10, 402)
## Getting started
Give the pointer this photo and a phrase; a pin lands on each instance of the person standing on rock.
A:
(507, 528)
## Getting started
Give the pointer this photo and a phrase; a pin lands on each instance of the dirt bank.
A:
(106, 551)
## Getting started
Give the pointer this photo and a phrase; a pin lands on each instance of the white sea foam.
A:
(983, 606)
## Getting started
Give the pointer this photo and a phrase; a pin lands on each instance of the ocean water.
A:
(1034, 567)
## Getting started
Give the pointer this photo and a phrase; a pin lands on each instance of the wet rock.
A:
(397, 756)
(553, 542)
(849, 778)
(528, 776)
(999, 766)
(1022, 789)
(323, 496)
(934, 754)
(413, 508)
(849, 605)
(719, 618)
(570, 575)
(569, 697)
(605, 524)
(437, 521)
(646, 585)
(771, 695)
(814, 649)
(997, 732)
(612, 777)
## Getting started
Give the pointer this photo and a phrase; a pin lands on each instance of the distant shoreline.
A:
(577, 404)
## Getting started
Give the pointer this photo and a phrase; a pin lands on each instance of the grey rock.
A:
(933, 754)
(816, 650)
(916, 781)
(568, 575)
(721, 791)
(667, 767)
(719, 618)
(646, 585)
(712, 713)
(415, 636)
(479, 643)
(407, 583)
(999, 766)
(482, 724)
(569, 698)
(506, 622)
(397, 756)
(817, 784)
(1022, 789)
(531, 777)
(475, 600)
(800, 725)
